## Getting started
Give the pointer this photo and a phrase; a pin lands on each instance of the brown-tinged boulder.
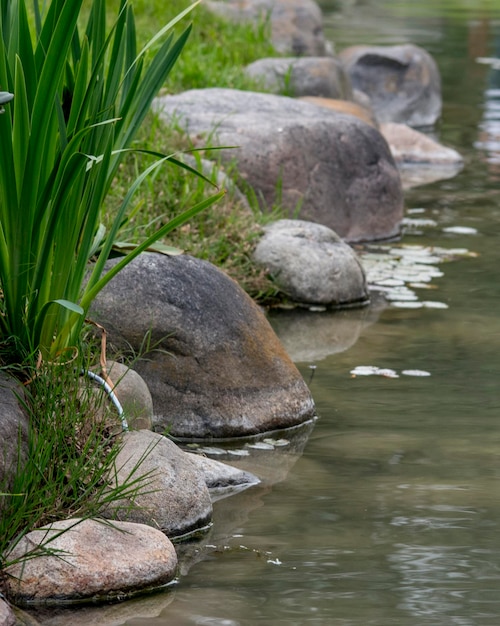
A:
(172, 494)
(302, 76)
(217, 369)
(296, 25)
(311, 264)
(364, 113)
(410, 146)
(320, 165)
(13, 429)
(91, 560)
(420, 158)
(402, 82)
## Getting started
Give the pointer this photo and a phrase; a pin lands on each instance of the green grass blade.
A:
(21, 130)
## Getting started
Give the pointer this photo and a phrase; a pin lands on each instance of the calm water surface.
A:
(388, 511)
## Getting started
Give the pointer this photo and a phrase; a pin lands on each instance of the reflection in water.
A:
(489, 128)
(429, 578)
(312, 336)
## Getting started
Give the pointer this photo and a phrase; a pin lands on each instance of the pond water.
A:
(387, 510)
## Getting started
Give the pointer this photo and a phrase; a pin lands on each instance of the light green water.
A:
(389, 512)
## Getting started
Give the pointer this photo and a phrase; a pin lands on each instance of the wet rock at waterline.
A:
(311, 264)
(296, 25)
(420, 158)
(410, 146)
(303, 76)
(217, 369)
(222, 479)
(172, 493)
(320, 165)
(14, 430)
(93, 560)
(402, 82)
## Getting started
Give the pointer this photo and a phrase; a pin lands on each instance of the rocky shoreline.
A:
(339, 148)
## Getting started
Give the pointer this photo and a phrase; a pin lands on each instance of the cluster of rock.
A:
(333, 141)
(215, 370)
(332, 151)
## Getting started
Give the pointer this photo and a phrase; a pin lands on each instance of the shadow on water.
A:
(387, 512)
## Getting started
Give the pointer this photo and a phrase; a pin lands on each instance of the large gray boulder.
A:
(330, 168)
(91, 560)
(302, 76)
(216, 369)
(296, 25)
(13, 429)
(402, 82)
(311, 264)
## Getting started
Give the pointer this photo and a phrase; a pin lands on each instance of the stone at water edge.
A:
(172, 496)
(100, 560)
(410, 146)
(222, 479)
(402, 82)
(319, 165)
(421, 159)
(311, 264)
(218, 370)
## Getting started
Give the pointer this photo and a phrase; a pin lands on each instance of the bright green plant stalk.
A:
(79, 99)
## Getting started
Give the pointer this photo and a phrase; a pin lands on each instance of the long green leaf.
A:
(80, 97)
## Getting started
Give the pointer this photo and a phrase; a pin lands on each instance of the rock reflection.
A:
(270, 463)
(310, 336)
(141, 609)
